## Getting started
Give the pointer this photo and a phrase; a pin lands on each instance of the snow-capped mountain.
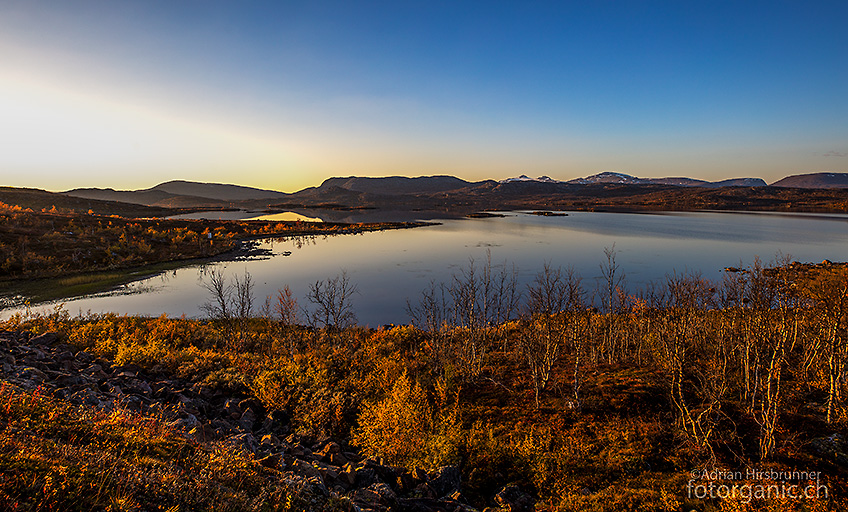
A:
(524, 177)
(609, 177)
(626, 179)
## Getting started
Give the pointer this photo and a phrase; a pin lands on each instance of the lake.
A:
(390, 267)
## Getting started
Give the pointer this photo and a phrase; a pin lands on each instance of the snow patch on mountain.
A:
(609, 177)
(524, 177)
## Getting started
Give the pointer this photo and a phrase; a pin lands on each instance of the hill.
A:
(150, 197)
(398, 184)
(37, 200)
(814, 180)
(220, 191)
(184, 194)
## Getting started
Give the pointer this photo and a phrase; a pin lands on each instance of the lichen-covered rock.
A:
(444, 481)
(833, 448)
(515, 500)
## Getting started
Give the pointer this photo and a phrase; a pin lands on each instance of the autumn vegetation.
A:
(54, 242)
(589, 399)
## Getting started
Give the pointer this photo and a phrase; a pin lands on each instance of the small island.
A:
(545, 213)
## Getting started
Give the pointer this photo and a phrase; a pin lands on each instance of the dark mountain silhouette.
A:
(814, 180)
(220, 191)
(37, 200)
(398, 184)
(147, 197)
(184, 194)
(739, 182)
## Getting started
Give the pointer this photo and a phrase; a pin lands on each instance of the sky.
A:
(282, 95)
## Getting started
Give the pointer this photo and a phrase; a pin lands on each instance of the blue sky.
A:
(285, 94)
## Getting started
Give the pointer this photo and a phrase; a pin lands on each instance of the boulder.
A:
(48, 338)
(365, 477)
(32, 374)
(444, 481)
(247, 420)
(245, 442)
(376, 496)
(252, 404)
(271, 461)
(833, 448)
(305, 468)
(232, 409)
(514, 499)
(271, 440)
(276, 422)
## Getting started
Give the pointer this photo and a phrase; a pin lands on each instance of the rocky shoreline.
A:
(326, 467)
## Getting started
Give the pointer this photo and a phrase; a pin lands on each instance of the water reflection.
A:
(390, 267)
(287, 216)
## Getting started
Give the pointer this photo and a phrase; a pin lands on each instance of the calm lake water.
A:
(390, 267)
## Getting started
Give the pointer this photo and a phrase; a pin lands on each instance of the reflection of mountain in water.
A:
(390, 267)
(375, 215)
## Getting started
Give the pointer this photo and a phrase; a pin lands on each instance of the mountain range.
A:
(448, 193)
(180, 193)
(626, 179)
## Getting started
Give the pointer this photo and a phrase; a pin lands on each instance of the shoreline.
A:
(20, 292)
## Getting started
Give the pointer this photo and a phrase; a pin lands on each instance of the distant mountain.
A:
(626, 179)
(37, 200)
(677, 181)
(218, 191)
(814, 180)
(394, 185)
(126, 196)
(444, 193)
(524, 178)
(608, 177)
(183, 194)
(740, 182)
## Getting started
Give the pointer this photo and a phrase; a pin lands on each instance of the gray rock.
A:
(444, 480)
(244, 441)
(270, 461)
(32, 374)
(201, 434)
(247, 420)
(221, 428)
(365, 477)
(305, 468)
(232, 409)
(85, 396)
(253, 404)
(48, 338)
(833, 448)
(377, 495)
(271, 440)
(348, 476)
(515, 500)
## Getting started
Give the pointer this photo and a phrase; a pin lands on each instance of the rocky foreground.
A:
(326, 467)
